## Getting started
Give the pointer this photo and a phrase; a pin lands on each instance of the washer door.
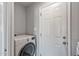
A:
(28, 50)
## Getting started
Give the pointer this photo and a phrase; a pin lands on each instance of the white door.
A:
(53, 30)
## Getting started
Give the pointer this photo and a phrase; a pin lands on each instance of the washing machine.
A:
(25, 45)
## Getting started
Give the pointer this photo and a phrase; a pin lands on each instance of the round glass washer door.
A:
(28, 50)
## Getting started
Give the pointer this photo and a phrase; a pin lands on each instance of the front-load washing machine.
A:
(24, 45)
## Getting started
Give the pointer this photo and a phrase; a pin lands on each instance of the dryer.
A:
(25, 45)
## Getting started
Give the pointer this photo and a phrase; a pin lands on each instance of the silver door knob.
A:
(64, 37)
(64, 43)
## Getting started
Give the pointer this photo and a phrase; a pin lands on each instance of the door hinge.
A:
(40, 14)
(5, 50)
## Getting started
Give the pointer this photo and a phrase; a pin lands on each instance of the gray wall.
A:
(23, 19)
(75, 26)
(29, 19)
(19, 19)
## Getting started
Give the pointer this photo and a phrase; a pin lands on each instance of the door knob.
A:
(64, 43)
(64, 37)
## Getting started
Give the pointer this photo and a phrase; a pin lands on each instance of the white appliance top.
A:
(23, 37)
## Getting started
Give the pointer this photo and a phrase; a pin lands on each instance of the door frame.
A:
(10, 29)
(68, 25)
(69, 29)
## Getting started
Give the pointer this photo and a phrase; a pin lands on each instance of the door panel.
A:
(52, 40)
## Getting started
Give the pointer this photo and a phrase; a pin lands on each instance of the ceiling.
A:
(25, 3)
(29, 3)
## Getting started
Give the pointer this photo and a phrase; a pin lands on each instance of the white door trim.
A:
(12, 50)
(69, 30)
(10, 29)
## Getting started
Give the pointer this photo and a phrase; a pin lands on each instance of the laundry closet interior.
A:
(24, 29)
